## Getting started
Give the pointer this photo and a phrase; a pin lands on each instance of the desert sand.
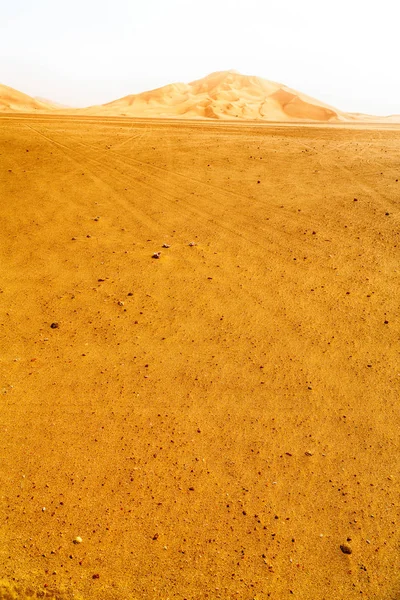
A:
(224, 95)
(217, 422)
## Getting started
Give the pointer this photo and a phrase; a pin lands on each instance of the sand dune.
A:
(224, 95)
(229, 95)
(12, 100)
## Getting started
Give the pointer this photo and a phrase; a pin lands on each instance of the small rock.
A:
(192, 244)
(166, 246)
(156, 255)
(77, 540)
(54, 325)
(120, 303)
(307, 453)
(345, 548)
(96, 576)
(156, 536)
(44, 509)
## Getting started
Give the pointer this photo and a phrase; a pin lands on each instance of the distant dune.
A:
(224, 95)
(51, 103)
(12, 100)
(229, 95)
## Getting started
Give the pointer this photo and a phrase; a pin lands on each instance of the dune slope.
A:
(12, 100)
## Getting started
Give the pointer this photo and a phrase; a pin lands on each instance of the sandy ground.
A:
(217, 422)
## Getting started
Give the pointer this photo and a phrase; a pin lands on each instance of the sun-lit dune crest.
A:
(12, 100)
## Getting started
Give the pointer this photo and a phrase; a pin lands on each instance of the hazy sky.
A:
(82, 52)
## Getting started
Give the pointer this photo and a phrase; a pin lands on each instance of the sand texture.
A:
(225, 95)
(216, 422)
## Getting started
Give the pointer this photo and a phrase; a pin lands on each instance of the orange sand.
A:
(215, 423)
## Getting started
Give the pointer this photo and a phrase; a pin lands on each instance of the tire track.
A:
(276, 235)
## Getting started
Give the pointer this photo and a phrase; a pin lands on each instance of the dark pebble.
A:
(346, 549)
(54, 325)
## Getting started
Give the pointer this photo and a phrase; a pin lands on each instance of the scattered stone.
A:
(55, 325)
(96, 219)
(120, 303)
(192, 244)
(44, 509)
(96, 576)
(156, 536)
(156, 255)
(307, 453)
(345, 548)
(78, 540)
(73, 239)
(387, 214)
(166, 246)
(88, 235)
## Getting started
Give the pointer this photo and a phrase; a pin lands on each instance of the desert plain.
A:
(219, 421)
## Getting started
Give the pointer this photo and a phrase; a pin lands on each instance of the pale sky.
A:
(82, 52)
